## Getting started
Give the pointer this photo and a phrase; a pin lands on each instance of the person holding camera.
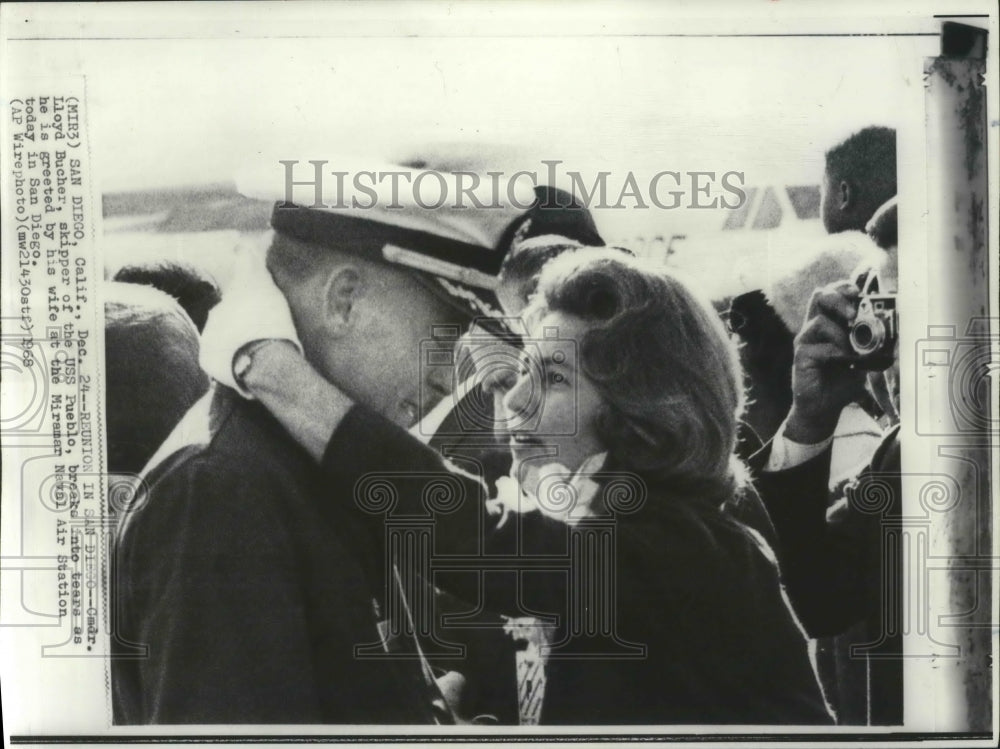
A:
(836, 564)
(840, 564)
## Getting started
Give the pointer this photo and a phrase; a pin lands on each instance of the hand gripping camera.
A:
(876, 326)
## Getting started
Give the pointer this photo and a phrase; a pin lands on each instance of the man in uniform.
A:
(235, 600)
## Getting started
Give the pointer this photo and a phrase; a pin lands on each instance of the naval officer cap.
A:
(554, 212)
(435, 225)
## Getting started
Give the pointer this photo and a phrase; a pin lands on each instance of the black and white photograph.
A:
(499, 372)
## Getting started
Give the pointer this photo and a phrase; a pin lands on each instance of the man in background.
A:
(193, 289)
(860, 177)
(152, 370)
(840, 571)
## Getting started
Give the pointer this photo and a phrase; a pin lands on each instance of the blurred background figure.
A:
(766, 356)
(153, 376)
(883, 225)
(521, 266)
(194, 289)
(860, 177)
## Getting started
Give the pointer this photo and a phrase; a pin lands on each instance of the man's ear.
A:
(341, 293)
(845, 195)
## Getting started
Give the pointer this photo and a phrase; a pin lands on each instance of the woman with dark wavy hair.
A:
(653, 374)
(622, 423)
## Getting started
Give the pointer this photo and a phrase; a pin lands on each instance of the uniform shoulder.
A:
(212, 492)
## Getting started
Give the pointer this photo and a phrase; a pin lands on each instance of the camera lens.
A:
(867, 336)
(863, 336)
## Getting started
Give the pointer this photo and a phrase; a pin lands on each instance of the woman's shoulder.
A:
(697, 536)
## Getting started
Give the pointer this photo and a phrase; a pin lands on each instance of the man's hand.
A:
(824, 379)
(252, 309)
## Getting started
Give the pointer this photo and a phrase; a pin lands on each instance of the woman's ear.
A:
(341, 293)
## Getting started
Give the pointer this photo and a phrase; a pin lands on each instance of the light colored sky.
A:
(184, 111)
(171, 112)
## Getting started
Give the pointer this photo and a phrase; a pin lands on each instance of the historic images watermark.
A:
(430, 189)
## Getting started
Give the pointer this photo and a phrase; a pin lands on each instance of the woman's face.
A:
(551, 408)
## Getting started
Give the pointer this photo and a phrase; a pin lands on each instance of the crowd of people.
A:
(405, 452)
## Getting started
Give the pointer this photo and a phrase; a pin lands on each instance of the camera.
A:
(876, 327)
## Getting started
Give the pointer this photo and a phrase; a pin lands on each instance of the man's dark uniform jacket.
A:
(841, 569)
(249, 599)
